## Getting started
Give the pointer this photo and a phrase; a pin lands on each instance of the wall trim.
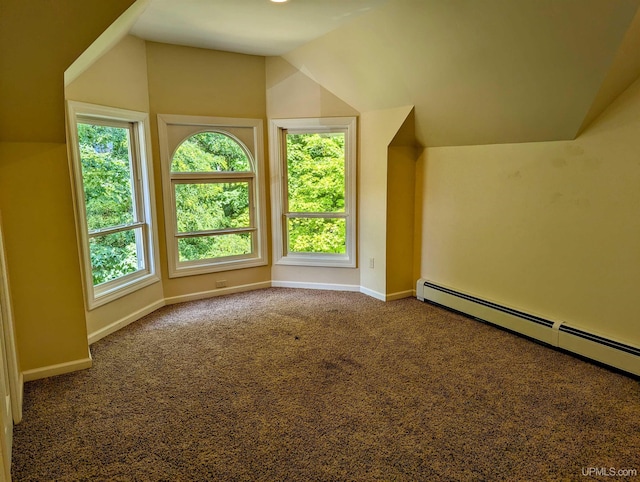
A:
(122, 322)
(314, 286)
(58, 369)
(217, 292)
(373, 294)
(398, 295)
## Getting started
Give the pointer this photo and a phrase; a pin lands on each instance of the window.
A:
(314, 167)
(113, 200)
(213, 194)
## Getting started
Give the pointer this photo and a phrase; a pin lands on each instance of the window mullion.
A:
(115, 229)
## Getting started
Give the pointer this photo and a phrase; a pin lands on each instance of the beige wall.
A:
(377, 131)
(39, 41)
(118, 79)
(42, 255)
(191, 81)
(550, 228)
(401, 171)
(291, 94)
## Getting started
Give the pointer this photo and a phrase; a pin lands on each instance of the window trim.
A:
(255, 178)
(140, 149)
(277, 137)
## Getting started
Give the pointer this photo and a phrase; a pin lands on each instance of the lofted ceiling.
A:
(258, 27)
(477, 71)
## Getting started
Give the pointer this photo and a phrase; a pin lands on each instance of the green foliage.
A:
(210, 205)
(316, 175)
(210, 151)
(316, 184)
(106, 177)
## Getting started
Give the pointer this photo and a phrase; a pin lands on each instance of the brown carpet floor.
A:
(284, 384)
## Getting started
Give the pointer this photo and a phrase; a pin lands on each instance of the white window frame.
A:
(277, 138)
(255, 179)
(142, 187)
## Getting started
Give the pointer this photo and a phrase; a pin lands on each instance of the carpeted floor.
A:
(284, 384)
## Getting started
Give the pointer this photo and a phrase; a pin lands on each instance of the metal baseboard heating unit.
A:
(558, 334)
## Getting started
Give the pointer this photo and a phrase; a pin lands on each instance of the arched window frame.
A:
(190, 126)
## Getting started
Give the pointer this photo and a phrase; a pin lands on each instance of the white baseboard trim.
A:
(122, 322)
(17, 404)
(59, 369)
(217, 292)
(373, 294)
(315, 286)
(400, 295)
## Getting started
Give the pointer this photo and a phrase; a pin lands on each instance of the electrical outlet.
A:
(221, 283)
(372, 262)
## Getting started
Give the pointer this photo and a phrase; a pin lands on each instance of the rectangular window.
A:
(315, 191)
(112, 194)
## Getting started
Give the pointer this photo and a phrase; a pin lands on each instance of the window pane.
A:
(214, 205)
(206, 247)
(106, 175)
(316, 173)
(317, 235)
(210, 151)
(115, 255)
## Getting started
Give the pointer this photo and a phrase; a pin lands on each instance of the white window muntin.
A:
(173, 130)
(142, 197)
(279, 188)
(226, 177)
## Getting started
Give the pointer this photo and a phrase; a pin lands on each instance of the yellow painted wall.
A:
(38, 41)
(191, 81)
(549, 228)
(377, 131)
(401, 169)
(291, 94)
(42, 255)
(118, 79)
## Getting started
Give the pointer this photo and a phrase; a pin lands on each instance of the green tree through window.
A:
(107, 180)
(315, 190)
(213, 216)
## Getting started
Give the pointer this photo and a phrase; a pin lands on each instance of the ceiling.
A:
(258, 27)
(476, 71)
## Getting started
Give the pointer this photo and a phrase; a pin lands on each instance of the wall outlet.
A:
(372, 262)
(221, 283)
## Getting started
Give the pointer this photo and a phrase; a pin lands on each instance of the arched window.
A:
(212, 183)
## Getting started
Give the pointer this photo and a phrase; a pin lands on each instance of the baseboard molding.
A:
(400, 295)
(59, 369)
(17, 404)
(122, 322)
(557, 333)
(217, 292)
(314, 286)
(373, 294)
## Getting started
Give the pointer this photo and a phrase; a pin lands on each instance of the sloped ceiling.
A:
(257, 27)
(477, 71)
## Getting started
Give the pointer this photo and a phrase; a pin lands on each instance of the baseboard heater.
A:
(558, 334)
